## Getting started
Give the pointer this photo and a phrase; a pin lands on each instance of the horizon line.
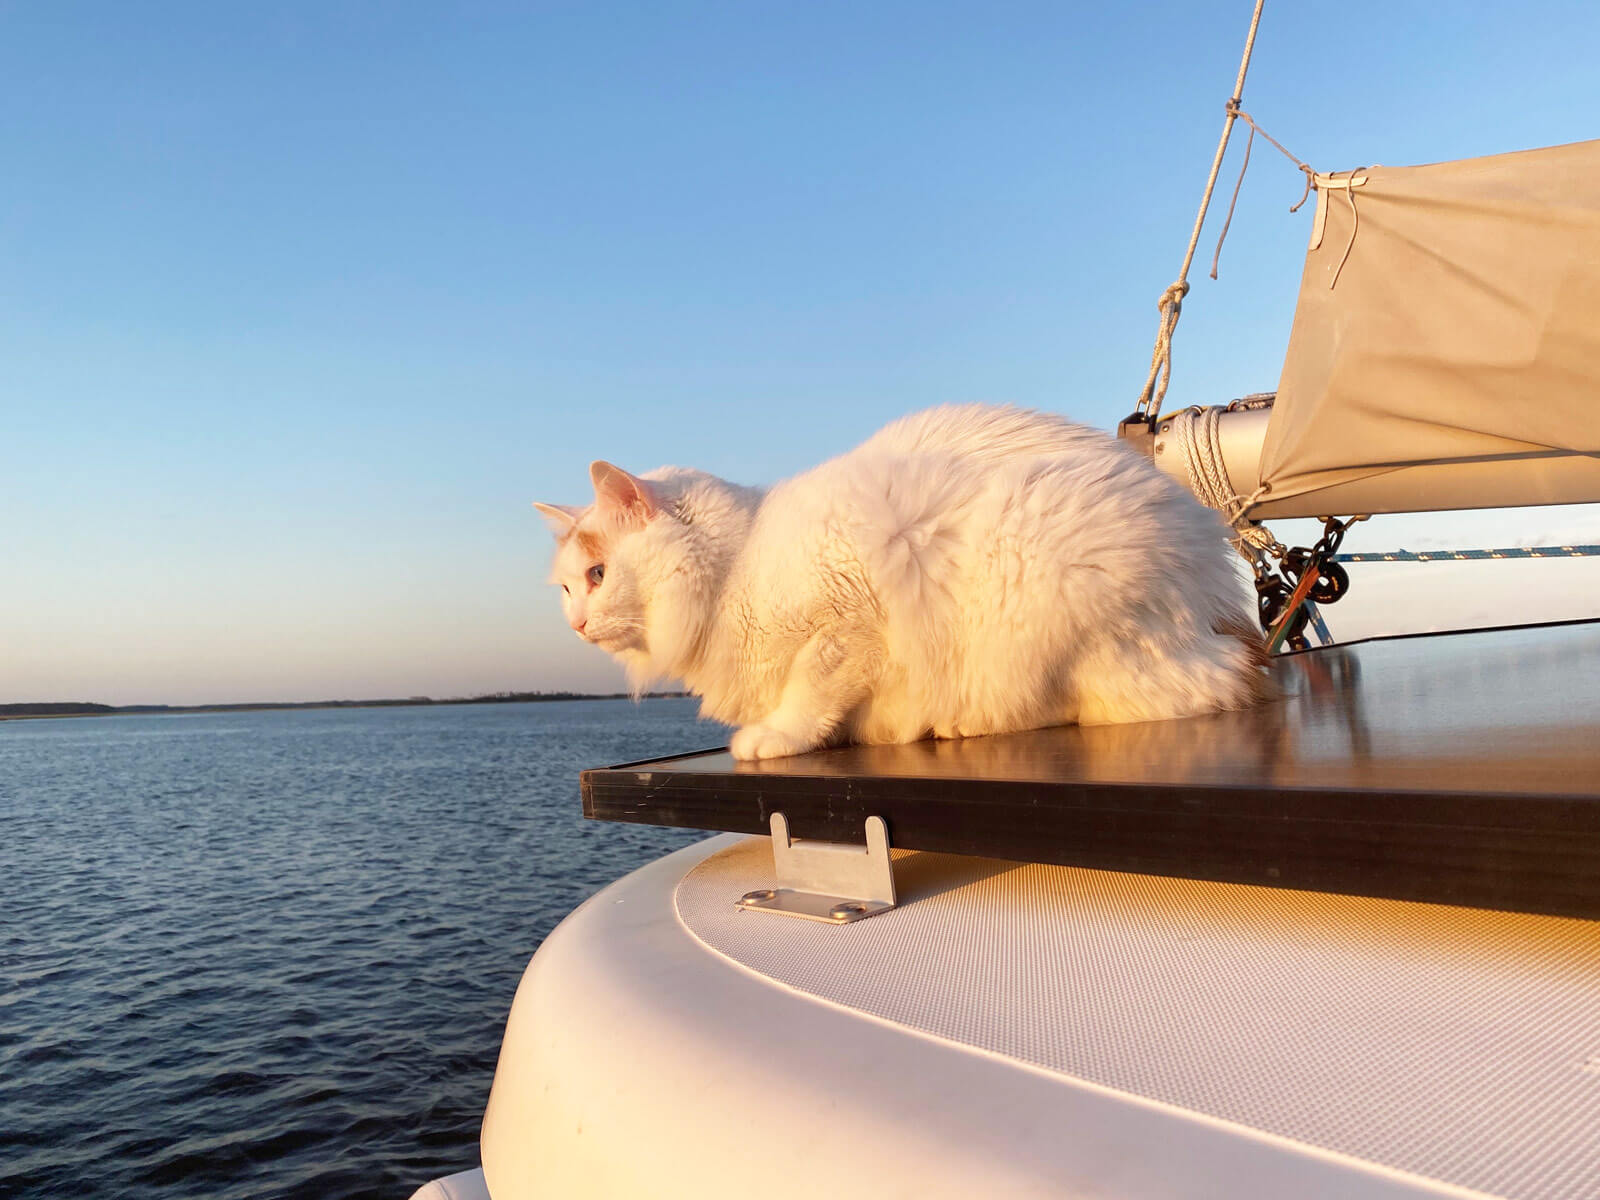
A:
(84, 708)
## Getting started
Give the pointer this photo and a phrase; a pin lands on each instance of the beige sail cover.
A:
(1447, 338)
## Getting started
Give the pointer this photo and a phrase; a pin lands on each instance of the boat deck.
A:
(1454, 768)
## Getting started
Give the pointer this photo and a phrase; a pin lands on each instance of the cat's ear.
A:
(614, 488)
(560, 517)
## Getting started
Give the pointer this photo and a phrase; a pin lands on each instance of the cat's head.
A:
(638, 568)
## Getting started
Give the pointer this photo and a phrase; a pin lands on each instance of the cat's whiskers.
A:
(615, 632)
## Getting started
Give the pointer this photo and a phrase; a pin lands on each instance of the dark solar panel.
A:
(1460, 768)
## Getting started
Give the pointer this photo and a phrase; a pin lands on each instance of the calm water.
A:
(271, 954)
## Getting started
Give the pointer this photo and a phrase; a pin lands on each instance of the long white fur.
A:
(967, 570)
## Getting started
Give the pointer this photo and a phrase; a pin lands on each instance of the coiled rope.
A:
(1196, 433)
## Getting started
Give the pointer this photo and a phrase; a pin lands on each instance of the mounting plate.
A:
(825, 881)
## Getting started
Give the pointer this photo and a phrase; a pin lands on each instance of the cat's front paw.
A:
(763, 741)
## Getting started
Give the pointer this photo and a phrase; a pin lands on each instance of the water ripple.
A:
(272, 953)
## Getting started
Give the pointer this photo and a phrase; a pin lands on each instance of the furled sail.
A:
(1446, 343)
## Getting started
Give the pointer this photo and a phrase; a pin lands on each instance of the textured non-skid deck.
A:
(1459, 768)
(1454, 1044)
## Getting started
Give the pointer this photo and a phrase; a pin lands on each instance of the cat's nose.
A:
(577, 626)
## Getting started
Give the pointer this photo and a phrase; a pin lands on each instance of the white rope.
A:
(1155, 384)
(1197, 433)
(1305, 169)
(1171, 302)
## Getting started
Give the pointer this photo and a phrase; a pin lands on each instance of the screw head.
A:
(760, 894)
(852, 909)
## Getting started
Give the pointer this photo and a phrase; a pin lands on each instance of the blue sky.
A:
(302, 304)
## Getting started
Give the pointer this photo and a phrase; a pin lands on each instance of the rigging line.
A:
(1424, 556)
(1311, 179)
(1171, 302)
(1227, 223)
(1283, 150)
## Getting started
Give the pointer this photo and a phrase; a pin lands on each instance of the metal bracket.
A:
(1139, 431)
(824, 881)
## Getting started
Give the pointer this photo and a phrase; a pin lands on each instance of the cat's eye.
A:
(565, 590)
(596, 574)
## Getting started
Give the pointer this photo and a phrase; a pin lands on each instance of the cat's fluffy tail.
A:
(1255, 644)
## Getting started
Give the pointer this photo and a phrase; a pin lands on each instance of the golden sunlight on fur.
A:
(967, 570)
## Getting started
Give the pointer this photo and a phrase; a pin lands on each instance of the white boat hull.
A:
(641, 1061)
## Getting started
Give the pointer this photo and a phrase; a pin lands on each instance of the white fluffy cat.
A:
(966, 570)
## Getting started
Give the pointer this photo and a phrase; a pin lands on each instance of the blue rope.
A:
(1470, 555)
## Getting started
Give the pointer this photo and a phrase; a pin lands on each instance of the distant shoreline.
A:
(44, 710)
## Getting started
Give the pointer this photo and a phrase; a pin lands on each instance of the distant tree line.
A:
(65, 709)
(75, 709)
